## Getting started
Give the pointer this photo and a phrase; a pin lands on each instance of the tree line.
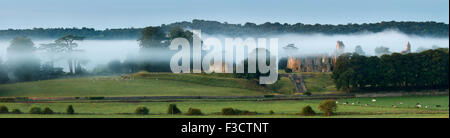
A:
(413, 71)
(213, 27)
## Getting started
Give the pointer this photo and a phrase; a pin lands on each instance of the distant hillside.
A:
(139, 84)
(433, 29)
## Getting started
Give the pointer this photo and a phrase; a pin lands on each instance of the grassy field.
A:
(283, 86)
(282, 109)
(151, 84)
(167, 84)
(319, 82)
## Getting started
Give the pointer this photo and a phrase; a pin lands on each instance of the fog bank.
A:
(95, 52)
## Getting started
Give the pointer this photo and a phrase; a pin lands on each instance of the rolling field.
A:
(167, 84)
(282, 109)
(143, 84)
(318, 82)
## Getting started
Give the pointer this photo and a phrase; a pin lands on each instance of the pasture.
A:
(382, 108)
(140, 84)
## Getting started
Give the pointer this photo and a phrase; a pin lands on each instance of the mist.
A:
(311, 44)
(100, 52)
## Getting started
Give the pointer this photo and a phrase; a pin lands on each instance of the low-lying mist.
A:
(98, 52)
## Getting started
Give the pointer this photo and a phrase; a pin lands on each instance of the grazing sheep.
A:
(400, 103)
(353, 103)
(367, 105)
(337, 102)
(374, 100)
(426, 106)
(394, 106)
(418, 106)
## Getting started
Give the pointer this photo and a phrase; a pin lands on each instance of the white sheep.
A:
(374, 100)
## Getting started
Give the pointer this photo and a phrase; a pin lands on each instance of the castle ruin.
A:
(313, 63)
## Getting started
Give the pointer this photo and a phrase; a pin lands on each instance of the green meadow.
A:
(212, 108)
(166, 84)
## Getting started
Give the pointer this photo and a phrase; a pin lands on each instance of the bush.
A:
(328, 107)
(269, 96)
(35, 110)
(3, 109)
(307, 93)
(141, 110)
(271, 112)
(70, 110)
(16, 111)
(173, 109)
(287, 70)
(194, 111)
(96, 98)
(47, 111)
(307, 110)
(227, 111)
(231, 111)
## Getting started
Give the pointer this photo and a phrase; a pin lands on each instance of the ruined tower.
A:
(293, 62)
(340, 49)
(407, 49)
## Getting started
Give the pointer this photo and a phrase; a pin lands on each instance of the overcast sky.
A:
(101, 14)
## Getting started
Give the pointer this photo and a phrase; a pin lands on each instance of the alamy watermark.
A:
(225, 57)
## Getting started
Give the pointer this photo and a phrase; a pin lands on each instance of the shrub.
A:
(269, 96)
(287, 70)
(70, 110)
(307, 93)
(271, 112)
(3, 109)
(35, 110)
(231, 111)
(141, 110)
(228, 111)
(307, 110)
(47, 111)
(328, 107)
(194, 111)
(96, 98)
(16, 111)
(173, 109)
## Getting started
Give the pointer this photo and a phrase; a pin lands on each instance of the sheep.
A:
(374, 100)
(394, 106)
(367, 105)
(345, 103)
(400, 103)
(418, 106)
(337, 102)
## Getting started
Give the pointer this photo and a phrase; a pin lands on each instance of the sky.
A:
(102, 14)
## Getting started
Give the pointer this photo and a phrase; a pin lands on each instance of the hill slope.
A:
(147, 84)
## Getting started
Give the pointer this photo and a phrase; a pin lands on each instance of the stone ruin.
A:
(313, 63)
